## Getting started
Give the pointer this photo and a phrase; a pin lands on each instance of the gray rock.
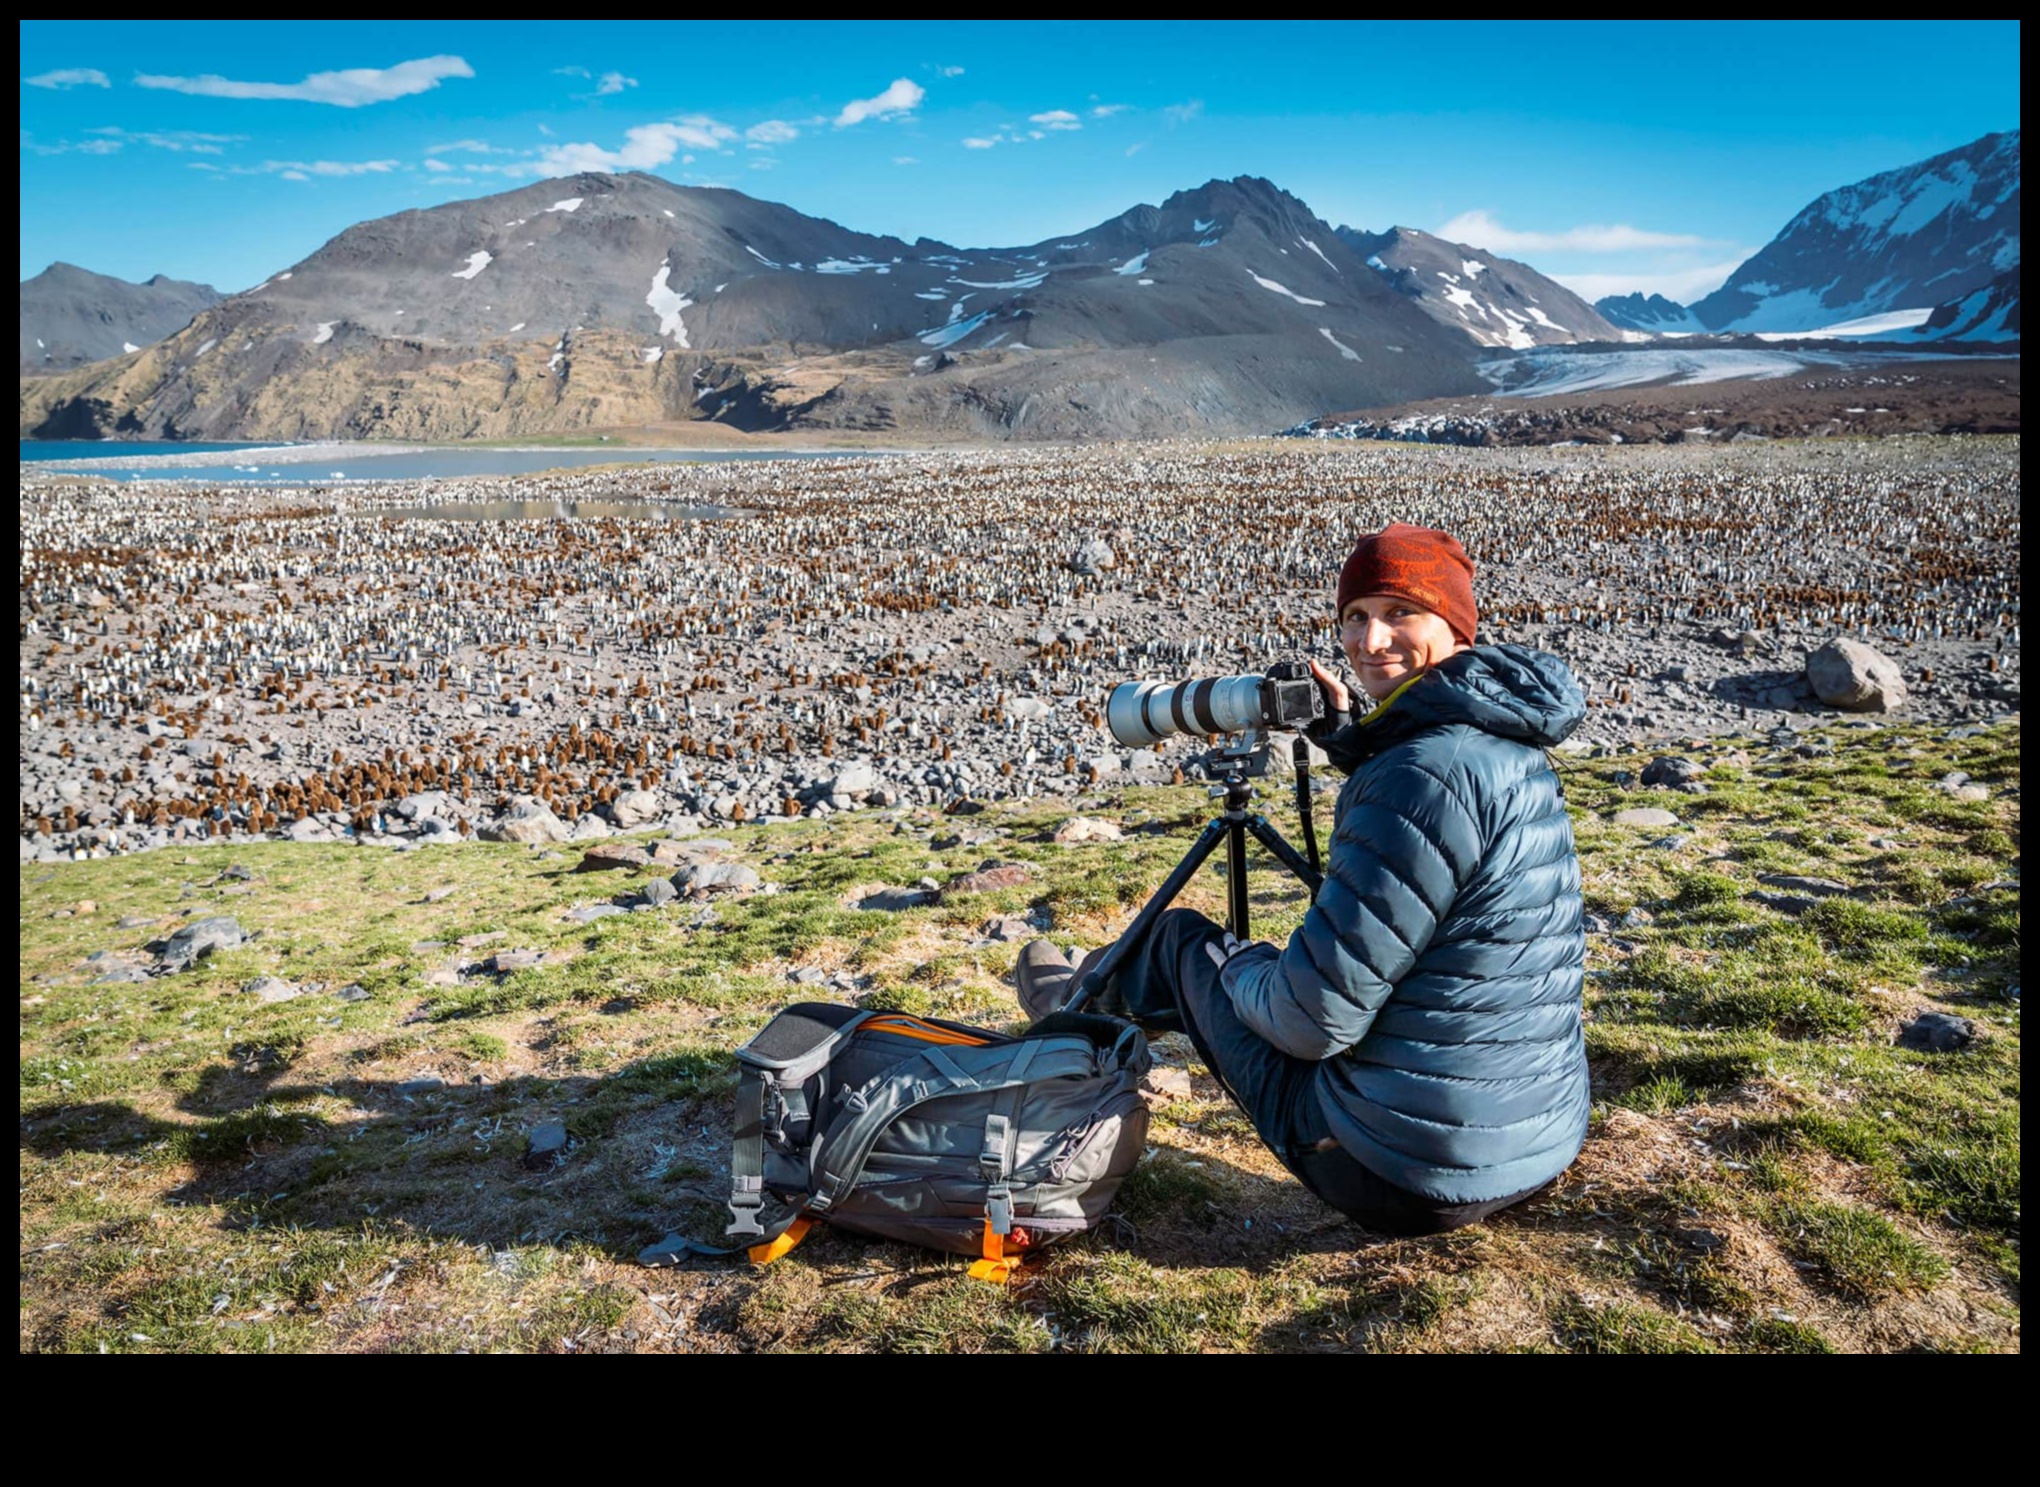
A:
(612, 857)
(1937, 1032)
(1853, 676)
(1636, 919)
(421, 1086)
(589, 913)
(807, 975)
(353, 991)
(588, 828)
(530, 822)
(505, 961)
(119, 974)
(546, 1145)
(308, 829)
(893, 900)
(716, 877)
(1667, 770)
(658, 893)
(200, 938)
(1810, 887)
(990, 879)
(1087, 829)
(134, 921)
(1009, 927)
(271, 989)
(1644, 816)
(852, 780)
(1783, 903)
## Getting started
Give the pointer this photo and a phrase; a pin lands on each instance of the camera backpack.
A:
(931, 1132)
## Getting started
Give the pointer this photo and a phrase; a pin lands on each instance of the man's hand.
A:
(1223, 952)
(1338, 701)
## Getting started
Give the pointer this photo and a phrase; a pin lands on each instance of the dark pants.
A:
(1170, 984)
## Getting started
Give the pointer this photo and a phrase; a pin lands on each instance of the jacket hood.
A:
(1511, 691)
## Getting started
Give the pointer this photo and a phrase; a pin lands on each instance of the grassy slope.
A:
(201, 1171)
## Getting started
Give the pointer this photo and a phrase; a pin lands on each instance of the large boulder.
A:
(1855, 677)
(529, 821)
(1094, 555)
(198, 939)
(636, 808)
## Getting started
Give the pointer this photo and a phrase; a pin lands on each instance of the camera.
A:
(1284, 696)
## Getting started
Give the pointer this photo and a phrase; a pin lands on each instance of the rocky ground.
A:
(1977, 395)
(930, 629)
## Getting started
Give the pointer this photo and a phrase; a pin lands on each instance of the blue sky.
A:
(1612, 156)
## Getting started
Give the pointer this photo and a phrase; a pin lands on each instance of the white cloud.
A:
(905, 160)
(431, 164)
(613, 82)
(98, 146)
(1683, 285)
(772, 132)
(978, 142)
(179, 141)
(644, 147)
(573, 72)
(467, 147)
(350, 88)
(903, 97)
(299, 170)
(1136, 147)
(950, 71)
(1478, 229)
(1107, 110)
(1056, 118)
(77, 77)
(1183, 113)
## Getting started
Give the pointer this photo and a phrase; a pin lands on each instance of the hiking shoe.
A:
(1046, 980)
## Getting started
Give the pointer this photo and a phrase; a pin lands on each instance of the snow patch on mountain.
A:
(477, 261)
(1284, 289)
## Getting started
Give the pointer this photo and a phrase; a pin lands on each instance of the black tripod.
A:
(1242, 762)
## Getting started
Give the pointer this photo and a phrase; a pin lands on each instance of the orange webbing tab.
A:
(913, 1027)
(765, 1254)
(994, 1268)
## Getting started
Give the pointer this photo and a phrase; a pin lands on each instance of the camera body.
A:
(1284, 696)
(1289, 698)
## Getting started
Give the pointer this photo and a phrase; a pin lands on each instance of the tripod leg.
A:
(1287, 855)
(1206, 843)
(1236, 879)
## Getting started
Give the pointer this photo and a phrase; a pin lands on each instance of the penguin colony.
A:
(929, 629)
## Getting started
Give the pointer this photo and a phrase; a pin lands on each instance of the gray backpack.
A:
(931, 1132)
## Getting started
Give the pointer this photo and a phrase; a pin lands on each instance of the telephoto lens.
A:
(1144, 713)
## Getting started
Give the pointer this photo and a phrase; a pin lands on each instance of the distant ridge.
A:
(1495, 301)
(1916, 238)
(70, 315)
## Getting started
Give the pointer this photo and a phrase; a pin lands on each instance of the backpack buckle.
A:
(745, 1206)
(999, 1208)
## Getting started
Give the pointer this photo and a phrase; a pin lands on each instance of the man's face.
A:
(1388, 640)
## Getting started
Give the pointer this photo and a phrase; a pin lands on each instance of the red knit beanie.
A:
(1426, 567)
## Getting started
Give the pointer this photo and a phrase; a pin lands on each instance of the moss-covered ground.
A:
(1767, 1170)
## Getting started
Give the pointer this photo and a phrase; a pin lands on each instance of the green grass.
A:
(201, 1172)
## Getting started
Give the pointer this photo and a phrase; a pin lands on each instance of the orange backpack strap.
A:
(996, 1267)
(765, 1254)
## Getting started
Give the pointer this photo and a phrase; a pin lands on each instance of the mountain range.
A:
(606, 300)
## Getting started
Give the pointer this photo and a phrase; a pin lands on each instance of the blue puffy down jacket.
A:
(1437, 977)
